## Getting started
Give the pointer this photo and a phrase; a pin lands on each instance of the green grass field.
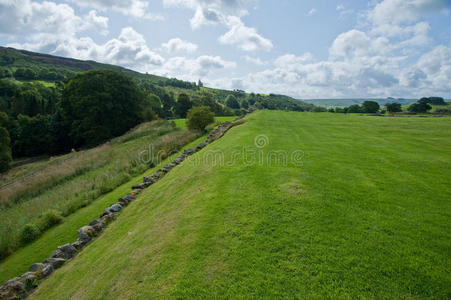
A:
(363, 211)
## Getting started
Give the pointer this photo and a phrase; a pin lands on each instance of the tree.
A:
(393, 107)
(168, 102)
(244, 104)
(151, 107)
(419, 107)
(354, 109)
(183, 105)
(99, 105)
(432, 100)
(232, 102)
(370, 107)
(199, 117)
(5, 148)
(200, 84)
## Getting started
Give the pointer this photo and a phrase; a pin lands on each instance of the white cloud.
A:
(177, 45)
(99, 23)
(245, 37)
(192, 69)
(26, 17)
(255, 60)
(403, 11)
(133, 8)
(128, 50)
(312, 12)
(287, 60)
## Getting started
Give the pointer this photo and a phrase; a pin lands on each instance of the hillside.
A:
(287, 205)
(50, 68)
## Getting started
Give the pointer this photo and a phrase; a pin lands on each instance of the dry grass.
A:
(74, 180)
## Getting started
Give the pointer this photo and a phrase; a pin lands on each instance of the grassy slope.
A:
(367, 214)
(19, 262)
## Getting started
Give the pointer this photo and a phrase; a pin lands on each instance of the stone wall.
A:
(20, 287)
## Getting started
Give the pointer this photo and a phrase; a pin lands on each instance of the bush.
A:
(50, 218)
(370, 107)
(199, 117)
(29, 233)
(419, 107)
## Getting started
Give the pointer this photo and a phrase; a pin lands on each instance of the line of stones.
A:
(19, 287)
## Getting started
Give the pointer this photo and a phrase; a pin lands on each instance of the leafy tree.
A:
(168, 102)
(151, 107)
(34, 137)
(354, 109)
(419, 107)
(199, 117)
(232, 102)
(244, 104)
(183, 105)
(200, 84)
(393, 107)
(370, 107)
(213, 105)
(5, 149)
(5, 73)
(99, 105)
(319, 109)
(432, 100)
(339, 110)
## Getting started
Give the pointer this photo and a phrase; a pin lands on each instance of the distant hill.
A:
(50, 68)
(348, 102)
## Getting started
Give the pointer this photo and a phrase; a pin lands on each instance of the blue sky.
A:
(305, 49)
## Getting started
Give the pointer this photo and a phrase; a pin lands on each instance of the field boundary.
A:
(24, 285)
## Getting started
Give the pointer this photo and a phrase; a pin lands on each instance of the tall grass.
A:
(64, 184)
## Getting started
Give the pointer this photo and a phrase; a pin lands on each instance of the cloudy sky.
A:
(305, 49)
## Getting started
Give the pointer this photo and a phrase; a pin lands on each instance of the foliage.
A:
(355, 108)
(183, 105)
(393, 107)
(419, 107)
(370, 107)
(99, 105)
(5, 150)
(199, 117)
(432, 100)
(29, 233)
(319, 109)
(232, 102)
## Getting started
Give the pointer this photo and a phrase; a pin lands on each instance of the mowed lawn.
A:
(367, 214)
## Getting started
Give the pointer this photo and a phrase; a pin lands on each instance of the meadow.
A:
(363, 210)
(162, 135)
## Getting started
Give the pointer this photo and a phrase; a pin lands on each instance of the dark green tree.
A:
(99, 105)
(370, 107)
(232, 102)
(419, 107)
(183, 105)
(393, 107)
(199, 117)
(168, 102)
(5, 148)
(354, 109)
(244, 104)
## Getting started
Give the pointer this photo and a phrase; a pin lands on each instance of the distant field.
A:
(348, 102)
(363, 210)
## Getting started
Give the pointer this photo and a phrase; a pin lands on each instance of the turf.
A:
(366, 215)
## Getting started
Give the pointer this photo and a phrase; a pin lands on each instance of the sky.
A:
(304, 49)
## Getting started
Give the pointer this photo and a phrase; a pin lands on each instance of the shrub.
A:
(29, 233)
(49, 218)
(199, 117)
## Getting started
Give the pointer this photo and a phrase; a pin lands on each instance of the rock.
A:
(55, 262)
(28, 276)
(115, 207)
(12, 289)
(94, 222)
(85, 233)
(188, 151)
(135, 192)
(36, 267)
(47, 270)
(79, 244)
(68, 250)
(57, 254)
(107, 218)
(127, 198)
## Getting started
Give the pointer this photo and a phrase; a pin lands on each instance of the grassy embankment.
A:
(367, 214)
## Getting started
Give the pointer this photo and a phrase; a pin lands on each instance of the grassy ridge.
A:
(65, 184)
(366, 214)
